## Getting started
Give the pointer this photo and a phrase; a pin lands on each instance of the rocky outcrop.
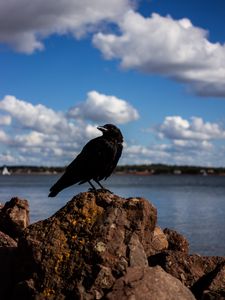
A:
(194, 271)
(148, 283)
(14, 217)
(102, 246)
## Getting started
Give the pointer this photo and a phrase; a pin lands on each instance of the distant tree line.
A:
(153, 169)
(169, 169)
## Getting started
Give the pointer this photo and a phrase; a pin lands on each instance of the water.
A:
(192, 205)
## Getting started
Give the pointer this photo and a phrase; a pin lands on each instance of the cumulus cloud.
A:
(103, 108)
(177, 128)
(173, 48)
(41, 133)
(37, 134)
(6, 158)
(176, 152)
(37, 117)
(45, 136)
(5, 120)
(23, 25)
(4, 138)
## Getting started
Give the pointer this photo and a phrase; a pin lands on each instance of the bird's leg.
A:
(102, 187)
(92, 186)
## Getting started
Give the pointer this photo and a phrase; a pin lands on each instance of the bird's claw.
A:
(92, 190)
(105, 191)
(99, 190)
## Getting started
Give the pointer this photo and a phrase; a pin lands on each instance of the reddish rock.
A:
(176, 241)
(14, 217)
(159, 240)
(216, 287)
(101, 245)
(80, 251)
(148, 283)
(194, 271)
(7, 241)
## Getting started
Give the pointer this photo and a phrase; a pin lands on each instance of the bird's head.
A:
(110, 130)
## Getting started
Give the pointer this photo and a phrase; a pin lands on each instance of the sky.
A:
(154, 68)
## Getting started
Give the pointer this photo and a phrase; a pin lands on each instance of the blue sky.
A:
(154, 68)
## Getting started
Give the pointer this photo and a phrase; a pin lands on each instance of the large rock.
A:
(14, 217)
(216, 286)
(176, 241)
(8, 257)
(80, 251)
(7, 241)
(149, 283)
(159, 240)
(8, 251)
(100, 246)
(199, 273)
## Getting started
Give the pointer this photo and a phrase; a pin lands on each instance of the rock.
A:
(148, 283)
(14, 217)
(80, 251)
(159, 240)
(177, 242)
(100, 246)
(8, 256)
(137, 255)
(216, 288)
(7, 241)
(194, 271)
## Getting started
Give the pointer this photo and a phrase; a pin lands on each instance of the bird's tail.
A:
(53, 193)
(55, 189)
(65, 181)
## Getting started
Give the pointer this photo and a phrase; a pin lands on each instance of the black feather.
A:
(96, 161)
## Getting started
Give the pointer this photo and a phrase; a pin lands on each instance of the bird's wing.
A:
(93, 159)
(83, 167)
(116, 159)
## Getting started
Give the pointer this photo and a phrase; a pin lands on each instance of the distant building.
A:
(177, 172)
(203, 172)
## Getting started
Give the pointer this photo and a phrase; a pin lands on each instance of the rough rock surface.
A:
(14, 217)
(196, 272)
(176, 241)
(11, 216)
(7, 241)
(148, 283)
(92, 240)
(159, 240)
(101, 246)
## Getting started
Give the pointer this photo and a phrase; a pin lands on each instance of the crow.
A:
(96, 161)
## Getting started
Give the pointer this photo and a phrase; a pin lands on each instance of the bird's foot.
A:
(93, 190)
(105, 191)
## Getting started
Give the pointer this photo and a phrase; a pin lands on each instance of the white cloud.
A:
(33, 139)
(23, 25)
(178, 152)
(173, 48)
(177, 128)
(6, 158)
(36, 117)
(4, 138)
(44, 136)
(103, 108)
(5, 120)
(39, 135)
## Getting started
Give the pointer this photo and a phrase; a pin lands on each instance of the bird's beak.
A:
(102, 128)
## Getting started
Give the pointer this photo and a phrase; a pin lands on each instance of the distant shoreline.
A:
(143, 170)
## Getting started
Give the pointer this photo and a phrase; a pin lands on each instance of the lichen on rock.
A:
(102, 246)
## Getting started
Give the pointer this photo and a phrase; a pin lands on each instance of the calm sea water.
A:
(192, 205)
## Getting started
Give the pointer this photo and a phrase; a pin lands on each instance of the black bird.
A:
(96, 161)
